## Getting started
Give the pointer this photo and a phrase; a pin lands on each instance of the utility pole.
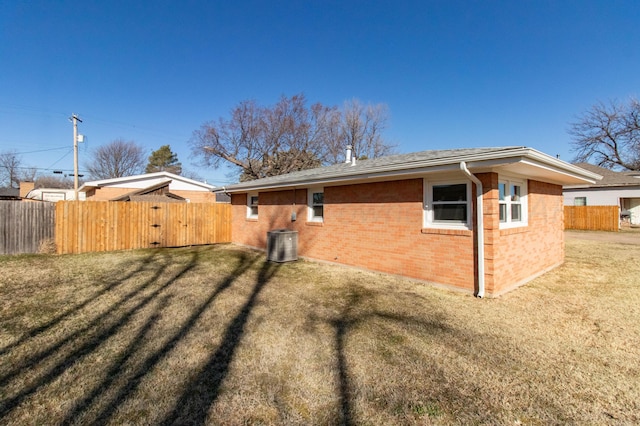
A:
(75, 120)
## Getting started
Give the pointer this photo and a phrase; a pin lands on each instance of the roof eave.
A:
(564, 171)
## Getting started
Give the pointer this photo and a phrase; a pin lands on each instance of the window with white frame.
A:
(513, 203)
(316, 205)
(580, 201)
(252, 206)
(447, 204)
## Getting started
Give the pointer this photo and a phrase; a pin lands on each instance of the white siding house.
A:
(620, 189)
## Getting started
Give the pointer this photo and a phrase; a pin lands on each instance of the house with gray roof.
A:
(10, 194)
(480, 220)
(620, 189)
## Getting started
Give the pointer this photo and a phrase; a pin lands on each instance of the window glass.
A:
(456, 192)
(316, 206)
(447, 204)
(502, 197)
(515, 193)
(580, 201)
(450, 203)
(516, 210)
(512, 201)
(503, 212)
(502, 190)
(450, 212)
(253, 205)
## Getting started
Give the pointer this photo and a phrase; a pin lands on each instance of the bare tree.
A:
(288, 136)
(28, 174)
(362, 127)
(53, 182)
(190, 174)
(116, 159)
(609, 135)
(10, 168)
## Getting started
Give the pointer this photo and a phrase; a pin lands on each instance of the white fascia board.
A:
(146, 176)
(561, 171)
(564, 175)
(568, 168)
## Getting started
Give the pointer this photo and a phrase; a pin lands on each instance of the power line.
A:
(40, 150)
(60, 159)
(48, 169)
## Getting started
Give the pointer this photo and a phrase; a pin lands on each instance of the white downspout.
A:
(480, 226)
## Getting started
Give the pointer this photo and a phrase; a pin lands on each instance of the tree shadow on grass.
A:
(114, 373)
(134, 381)
(100, 329)
(198, 396)
(356, 312)
(111, 285)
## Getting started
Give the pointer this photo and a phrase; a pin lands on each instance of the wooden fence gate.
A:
(25, 226)
(90, 226)
(592, 218)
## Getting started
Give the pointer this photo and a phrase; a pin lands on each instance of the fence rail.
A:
(25, 226)
(592, 218)
(90, 226)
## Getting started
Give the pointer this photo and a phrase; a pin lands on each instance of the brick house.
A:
(114, 189)
(417, 215)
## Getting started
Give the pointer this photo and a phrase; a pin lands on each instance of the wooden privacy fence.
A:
(25, 226)
(592, 218)
(89, 226)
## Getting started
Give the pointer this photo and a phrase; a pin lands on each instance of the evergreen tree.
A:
(163, 160)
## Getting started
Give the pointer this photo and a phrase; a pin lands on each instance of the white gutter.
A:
(479, 227)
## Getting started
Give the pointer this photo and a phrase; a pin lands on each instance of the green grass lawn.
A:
(214, 335)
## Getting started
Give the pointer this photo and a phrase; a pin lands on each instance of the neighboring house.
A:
(416, 215)
(620, 189)
(158, 193)
(112, 189)
(9, 194)
(28, 193)
(51, 194)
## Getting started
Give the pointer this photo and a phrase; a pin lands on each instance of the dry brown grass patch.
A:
(214, 335)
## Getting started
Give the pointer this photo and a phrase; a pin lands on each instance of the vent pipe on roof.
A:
(349, 156)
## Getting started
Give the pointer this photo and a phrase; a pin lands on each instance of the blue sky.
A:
(454, 74)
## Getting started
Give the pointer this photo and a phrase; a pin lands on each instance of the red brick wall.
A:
(523, 253)
(378, 226)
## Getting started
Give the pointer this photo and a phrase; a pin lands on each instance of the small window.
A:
(252, 206)
(450, 203)
(580, 201)
(316, 205)
(447, 204)
(512, 201)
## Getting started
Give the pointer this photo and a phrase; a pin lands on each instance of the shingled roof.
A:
(610, 177)
(9, 194)
(154, 193)
(420, 162)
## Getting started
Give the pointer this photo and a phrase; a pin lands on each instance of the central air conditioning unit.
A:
(282, 245)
